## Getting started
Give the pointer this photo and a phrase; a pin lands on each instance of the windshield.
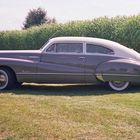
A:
(44, 46)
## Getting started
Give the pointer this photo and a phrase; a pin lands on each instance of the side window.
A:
(52, 48)
(66, 48)
(69, 47)
(91, 48)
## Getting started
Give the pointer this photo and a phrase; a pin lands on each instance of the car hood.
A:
(22, 54)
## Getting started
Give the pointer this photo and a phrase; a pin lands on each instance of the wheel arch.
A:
(10, 69)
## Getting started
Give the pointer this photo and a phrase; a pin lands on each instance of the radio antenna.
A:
(53, 34)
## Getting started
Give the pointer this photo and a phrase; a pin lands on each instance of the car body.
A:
(72, 60)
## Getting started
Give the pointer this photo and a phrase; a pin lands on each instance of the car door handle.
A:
(82, 57)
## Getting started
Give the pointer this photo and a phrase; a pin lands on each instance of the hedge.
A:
(125, 30)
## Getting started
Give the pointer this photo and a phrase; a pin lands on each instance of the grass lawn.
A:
(48, 112)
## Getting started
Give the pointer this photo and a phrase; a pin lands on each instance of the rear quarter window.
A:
(91, 48)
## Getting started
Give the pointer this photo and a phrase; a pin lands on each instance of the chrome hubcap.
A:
(3, 79)
(118, 84)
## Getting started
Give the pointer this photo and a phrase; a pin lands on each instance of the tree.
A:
(37, 17)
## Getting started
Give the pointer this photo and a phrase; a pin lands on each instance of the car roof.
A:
(96, 41)
(119, 49)
(82, 39)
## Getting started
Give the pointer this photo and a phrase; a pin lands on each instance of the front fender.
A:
(119, 70)
(19, 65)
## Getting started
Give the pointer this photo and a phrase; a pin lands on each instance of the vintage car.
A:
(72, 60)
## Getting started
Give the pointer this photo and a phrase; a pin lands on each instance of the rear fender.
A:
(119, 70)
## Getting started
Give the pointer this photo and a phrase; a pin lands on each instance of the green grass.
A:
(69, 112)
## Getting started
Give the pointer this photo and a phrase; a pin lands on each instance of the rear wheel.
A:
(7, 79)
(118, 85)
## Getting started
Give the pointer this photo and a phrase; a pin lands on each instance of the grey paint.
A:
(42, 67)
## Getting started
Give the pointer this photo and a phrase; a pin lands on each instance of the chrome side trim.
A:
(80, 74)
(100, 77)
(108, 74)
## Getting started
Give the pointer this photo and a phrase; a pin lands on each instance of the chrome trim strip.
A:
(100, 77)
(82, 74)
(100, 54)
(60, 53)
(109, 74)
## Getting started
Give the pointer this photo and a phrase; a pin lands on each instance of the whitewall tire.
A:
(118, 85)
(7, 79)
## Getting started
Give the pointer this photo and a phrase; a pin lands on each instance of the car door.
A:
(96, 55)
(62, 63)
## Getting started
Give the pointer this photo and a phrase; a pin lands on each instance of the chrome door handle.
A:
(82, 57)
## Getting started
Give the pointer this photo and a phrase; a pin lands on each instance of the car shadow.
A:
(69, 90)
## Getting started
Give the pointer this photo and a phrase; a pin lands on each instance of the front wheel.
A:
(118, 85)
(7, 79)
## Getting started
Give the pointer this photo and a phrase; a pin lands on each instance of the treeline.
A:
(125, 30)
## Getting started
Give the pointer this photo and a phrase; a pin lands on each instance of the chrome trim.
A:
(82, 57)
(82, 74)
(59, 53)
(101, 54)
(110, 74)
(100, 77)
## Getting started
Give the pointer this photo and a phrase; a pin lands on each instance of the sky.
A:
(13, 12)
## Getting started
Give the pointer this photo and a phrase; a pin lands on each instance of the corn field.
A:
(125, 30)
